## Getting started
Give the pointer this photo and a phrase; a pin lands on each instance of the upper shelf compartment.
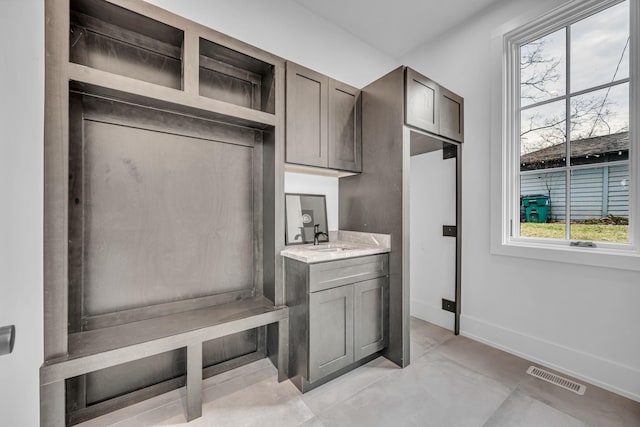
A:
(113, 39)
(231, 76)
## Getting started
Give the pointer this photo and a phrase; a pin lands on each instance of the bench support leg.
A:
(283, 350)
(52, 405)
(194, 381)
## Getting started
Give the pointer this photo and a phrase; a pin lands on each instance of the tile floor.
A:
(452, 381)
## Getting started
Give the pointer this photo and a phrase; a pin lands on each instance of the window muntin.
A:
(589, 158)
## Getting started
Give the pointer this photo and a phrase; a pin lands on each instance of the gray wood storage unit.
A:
(338, 316)
(157, 271)
(398, 123)
(323, 121)
(432, 107)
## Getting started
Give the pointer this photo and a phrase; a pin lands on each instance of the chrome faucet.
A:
(317, 233)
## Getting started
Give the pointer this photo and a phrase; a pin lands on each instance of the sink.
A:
(316, 249)
(328, 247)
(337, 249)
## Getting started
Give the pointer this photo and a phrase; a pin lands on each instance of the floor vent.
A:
(557, 380)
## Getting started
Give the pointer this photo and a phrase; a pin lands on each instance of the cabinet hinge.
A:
(450, 230)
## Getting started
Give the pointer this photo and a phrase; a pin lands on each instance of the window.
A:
(569, 117)
(574, 130)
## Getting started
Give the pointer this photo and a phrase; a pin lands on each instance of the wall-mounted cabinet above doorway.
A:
(433, 108)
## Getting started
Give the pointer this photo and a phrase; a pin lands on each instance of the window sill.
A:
(622, 259)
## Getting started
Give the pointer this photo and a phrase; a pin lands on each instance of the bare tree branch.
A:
(538, 71)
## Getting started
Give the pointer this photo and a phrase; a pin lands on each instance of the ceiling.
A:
(396, 27)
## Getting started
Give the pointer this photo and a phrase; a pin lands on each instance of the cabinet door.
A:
(306, 122)
(451, 108)
(370, 314)
(421, 99)
(330, 331)
(345, 136)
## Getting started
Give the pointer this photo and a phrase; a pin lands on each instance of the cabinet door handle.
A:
(7, 339)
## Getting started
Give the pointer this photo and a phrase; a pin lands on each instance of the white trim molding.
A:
(607, 374)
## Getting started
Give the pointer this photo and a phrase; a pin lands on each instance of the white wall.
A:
(432, 255)
(287, 29)
(579, 319)
(312, 184)
(21, 189)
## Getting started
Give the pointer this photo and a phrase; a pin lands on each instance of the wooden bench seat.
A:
(103, 348)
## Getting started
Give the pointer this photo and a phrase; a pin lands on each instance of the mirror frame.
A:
(286, 219)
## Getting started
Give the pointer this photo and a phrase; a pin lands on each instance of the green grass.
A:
(592, 232)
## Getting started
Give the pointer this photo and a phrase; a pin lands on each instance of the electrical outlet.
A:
(448, 305)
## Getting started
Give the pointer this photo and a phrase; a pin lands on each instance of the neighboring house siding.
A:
(619, 190)
(586, 193)
(595, 192)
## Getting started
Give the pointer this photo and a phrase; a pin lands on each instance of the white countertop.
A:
(341, 245)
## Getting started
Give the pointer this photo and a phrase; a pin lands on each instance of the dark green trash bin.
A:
(536, 207)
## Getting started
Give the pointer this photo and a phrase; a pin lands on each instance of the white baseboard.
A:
(608, 374)
(432, 314)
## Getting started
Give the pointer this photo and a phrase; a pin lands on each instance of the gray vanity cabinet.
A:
(369, 305)
(330, 331)
(323, 121)
(433, 108)
(338, 313)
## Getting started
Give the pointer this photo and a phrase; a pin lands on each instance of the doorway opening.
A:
(434, 232)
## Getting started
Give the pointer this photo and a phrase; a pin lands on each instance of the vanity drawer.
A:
(332, 274)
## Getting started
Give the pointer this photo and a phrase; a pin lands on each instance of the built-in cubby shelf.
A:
(113, 39)
(231, 76)
(164, 163)
(120, 52)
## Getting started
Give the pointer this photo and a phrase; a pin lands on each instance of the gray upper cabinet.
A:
(451, 115)
(433, 108)
(323, 121)
(421, 99)
(307, 101)
(345, 136)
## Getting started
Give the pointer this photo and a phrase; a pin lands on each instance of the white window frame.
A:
(505, 206)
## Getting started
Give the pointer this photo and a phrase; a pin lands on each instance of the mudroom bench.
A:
(103, 348)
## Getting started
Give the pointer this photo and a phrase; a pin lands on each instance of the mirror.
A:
(302, 213)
